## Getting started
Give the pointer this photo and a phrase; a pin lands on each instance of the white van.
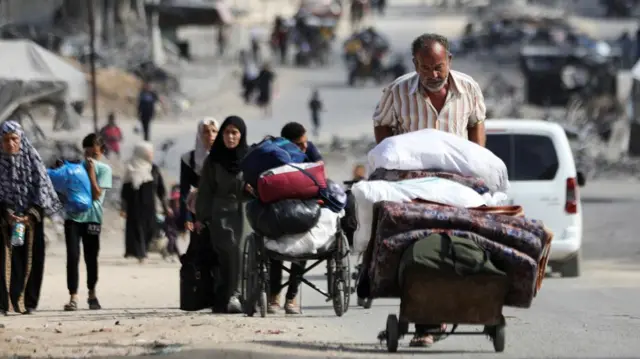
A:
(544, 182)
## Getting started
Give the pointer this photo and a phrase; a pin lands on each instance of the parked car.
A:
(544, 181)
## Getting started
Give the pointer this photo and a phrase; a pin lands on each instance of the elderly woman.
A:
(219, 207)
(143, 182)
(191, 167)
(26, 197)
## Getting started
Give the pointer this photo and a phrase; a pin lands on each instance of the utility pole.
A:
(92, 63)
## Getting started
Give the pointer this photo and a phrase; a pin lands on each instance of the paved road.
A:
(593, 316)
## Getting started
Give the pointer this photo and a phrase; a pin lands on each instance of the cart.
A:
(431, 297)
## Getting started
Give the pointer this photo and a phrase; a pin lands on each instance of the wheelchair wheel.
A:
(253, 276)
(341, 289)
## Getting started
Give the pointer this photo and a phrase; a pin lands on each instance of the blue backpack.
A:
(72, 181)
(270, 153)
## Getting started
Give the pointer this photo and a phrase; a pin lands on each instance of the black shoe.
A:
(94, 304)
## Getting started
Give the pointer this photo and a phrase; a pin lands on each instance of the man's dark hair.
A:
(91, 140)
(424, 40)
(292, 131)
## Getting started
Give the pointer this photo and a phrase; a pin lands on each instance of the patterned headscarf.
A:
(24, 181)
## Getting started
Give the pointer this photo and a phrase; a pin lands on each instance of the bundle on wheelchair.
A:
(257, 260)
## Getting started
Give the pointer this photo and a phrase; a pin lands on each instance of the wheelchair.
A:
(255, 280)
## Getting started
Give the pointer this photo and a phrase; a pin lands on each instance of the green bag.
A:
(442, 252)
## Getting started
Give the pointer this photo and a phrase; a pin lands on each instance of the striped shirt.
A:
(405, 108)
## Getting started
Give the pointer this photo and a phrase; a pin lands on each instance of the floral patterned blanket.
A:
(519, 244)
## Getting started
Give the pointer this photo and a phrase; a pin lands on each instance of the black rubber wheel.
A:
(338, 298)
(392, 333)
(498, 336)
(343, 267)
(251, 278)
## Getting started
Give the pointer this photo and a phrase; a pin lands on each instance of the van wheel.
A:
(571, 267)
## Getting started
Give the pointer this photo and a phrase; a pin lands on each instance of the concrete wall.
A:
(28, 11)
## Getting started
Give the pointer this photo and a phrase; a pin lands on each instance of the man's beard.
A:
(436, 88)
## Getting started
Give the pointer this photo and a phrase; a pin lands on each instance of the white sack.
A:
(320, 236)
(434, 189)
(431, 149)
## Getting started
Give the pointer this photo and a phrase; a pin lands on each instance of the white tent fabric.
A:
(31, 73)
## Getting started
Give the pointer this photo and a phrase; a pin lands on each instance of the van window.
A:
(527, 157)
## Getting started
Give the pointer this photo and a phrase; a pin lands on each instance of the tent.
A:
(31, 74)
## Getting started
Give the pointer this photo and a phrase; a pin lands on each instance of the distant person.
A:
(315, 106)
(250, 73)
(142, 185)
(222, 39)
(147, 100)
(112, 136)
(254, 39)
(26, 197)
(264, 84)
(86, 227)
(297, 134)
(359, 173)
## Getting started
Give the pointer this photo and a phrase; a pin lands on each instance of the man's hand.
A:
(477, 134)
(198, 227)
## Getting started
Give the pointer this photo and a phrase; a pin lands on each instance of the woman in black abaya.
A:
(219, 207)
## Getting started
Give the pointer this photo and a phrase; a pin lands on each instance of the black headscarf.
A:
(230, 158)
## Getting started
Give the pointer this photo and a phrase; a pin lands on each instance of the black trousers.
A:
(89, 235)
(275, 278)
(145, 121)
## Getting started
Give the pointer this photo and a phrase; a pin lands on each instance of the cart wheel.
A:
(392, 333)
(338, 298)
(263, 304)
(498, 337)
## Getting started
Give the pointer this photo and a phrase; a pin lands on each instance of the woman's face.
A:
(11, 143)
(231, 136)
(209, 133)
(150, 155)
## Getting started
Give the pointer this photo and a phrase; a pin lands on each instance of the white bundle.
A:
(431, 149)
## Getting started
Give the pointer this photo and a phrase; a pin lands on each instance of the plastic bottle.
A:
(17, 236)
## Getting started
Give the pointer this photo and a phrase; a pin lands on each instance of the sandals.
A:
(428, 339)
(72, 306)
